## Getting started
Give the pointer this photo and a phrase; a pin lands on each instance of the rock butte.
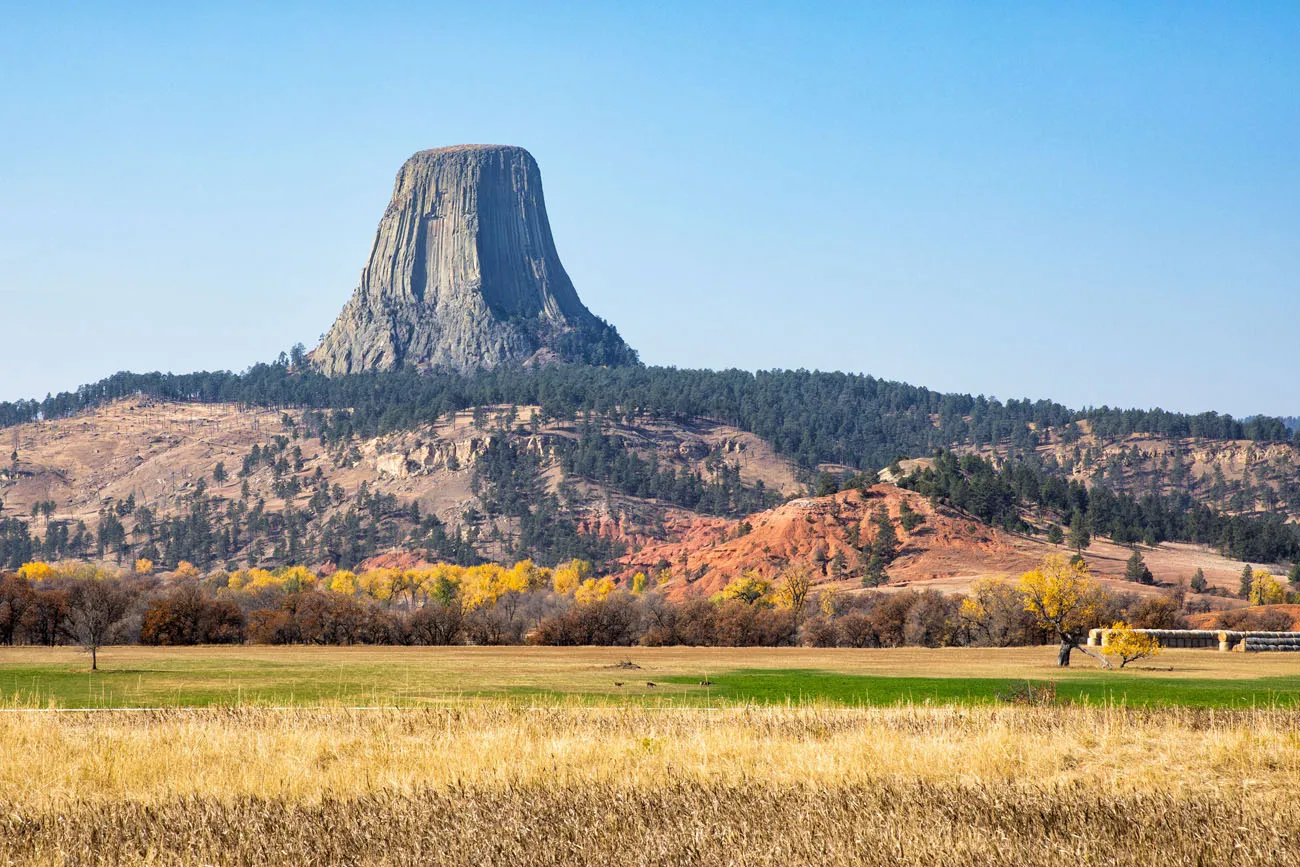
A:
(464, 274)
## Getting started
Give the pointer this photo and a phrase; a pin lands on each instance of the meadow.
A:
(397, 756)
(422, 676)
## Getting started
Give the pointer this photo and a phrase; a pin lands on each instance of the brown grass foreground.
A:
(499, 784)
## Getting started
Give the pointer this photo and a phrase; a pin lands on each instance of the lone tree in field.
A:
(1065, 600)
(96, 610)
(1128, 645)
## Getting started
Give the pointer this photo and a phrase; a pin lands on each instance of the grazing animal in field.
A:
(651, 683)
(618, 683)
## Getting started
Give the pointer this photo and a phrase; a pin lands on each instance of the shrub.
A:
(612, 622)
(185, 617)
(820, 632)
(742, 625)
(1158, 612)
(437, 624)
(693, 623)
(1254, 620)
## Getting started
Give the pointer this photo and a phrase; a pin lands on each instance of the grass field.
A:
(496, 756)
(416, 677)
(497, 783)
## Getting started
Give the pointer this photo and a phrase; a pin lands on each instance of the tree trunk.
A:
(1063, 654)
(94, 660)
(1097, 655)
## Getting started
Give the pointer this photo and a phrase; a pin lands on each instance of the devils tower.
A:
(464, 274)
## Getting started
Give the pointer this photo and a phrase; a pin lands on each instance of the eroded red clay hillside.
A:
(705, 553)
(946, 551)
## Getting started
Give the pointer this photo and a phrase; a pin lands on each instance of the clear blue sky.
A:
(1093, 202)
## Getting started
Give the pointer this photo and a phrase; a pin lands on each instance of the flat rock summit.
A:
(464, 274)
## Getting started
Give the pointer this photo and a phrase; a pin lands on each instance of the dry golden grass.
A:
(498, 784)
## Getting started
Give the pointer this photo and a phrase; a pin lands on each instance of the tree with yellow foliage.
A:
(185, 570)
(487, 585)
(1064, 599)
(296, 579)
(442, 584)
(1266, 590)
(1128, 645)
(749, 588)
(593, 590)
(568, 577)
(828, 602)
(639, 583)
(36, 572)
(792, 593)
(344, 582)
(380, 585)
(530, 576)
(144, 566)
(252, 581)
(993, 613)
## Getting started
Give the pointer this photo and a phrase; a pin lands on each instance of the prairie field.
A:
(397, 756)
(498, 783)
(681, 676)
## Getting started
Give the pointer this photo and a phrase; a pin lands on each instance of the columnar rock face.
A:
(464, 274)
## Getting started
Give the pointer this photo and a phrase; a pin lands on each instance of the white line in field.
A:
(326, 707)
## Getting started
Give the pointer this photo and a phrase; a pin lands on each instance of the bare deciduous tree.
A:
(96, 610)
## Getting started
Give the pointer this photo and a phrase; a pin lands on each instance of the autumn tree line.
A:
(489, 604)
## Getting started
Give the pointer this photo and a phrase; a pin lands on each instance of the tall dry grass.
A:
(497, 784)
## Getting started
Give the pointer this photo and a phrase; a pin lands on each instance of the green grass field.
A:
(372, 676)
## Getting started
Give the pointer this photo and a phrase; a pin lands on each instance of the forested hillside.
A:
(565, 461)
(1007, 496)
(812, 417)
(212, 484)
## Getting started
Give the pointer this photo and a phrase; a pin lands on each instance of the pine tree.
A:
(1293, 576)
(1199, 584)
(885, 544)
(1080, 538)
(1137, 571)
(1247, 579)
(908, 518)
(874, 574)
(1055, 535)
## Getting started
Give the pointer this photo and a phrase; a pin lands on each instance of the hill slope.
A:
(298, 487)
(945, 550)
(271, 486)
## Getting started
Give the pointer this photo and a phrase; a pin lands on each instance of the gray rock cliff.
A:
(464, 274)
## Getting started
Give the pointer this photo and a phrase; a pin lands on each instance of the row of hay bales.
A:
(1277, 641)
(1223, 639)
